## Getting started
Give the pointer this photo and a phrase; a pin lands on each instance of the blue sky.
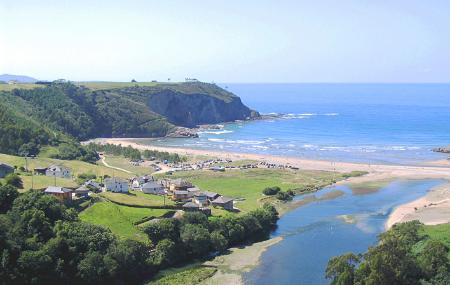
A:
(227, 41)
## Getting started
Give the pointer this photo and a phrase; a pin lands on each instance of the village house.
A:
(180, 195)
(211, 195)
(58, 171)
(40, 170)
(179, 184)
(153, 187)
(200, 199)
(193, 190)
(5, 169)
(93, 185)
(137, 182)
(191, 207)
(116, 185)
(224, 202)
(63, 194)
(82, 192)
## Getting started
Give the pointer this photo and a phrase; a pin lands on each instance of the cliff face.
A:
(198, 108)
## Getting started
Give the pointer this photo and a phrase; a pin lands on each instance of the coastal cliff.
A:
(203, 106)
(44, 115)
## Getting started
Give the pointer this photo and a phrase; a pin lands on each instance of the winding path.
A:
(113, 167)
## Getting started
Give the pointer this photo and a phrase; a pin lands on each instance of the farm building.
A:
(224, 202)
(153, 187)
(58, 171)
(63, 194)
(5, 169)
(116, 185)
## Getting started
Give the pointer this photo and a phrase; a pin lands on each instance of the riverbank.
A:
(231, 266)
(432, 209)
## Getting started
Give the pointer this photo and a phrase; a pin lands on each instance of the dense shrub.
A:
(271, 190)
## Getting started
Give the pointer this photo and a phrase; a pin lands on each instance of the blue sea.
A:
(370, 123)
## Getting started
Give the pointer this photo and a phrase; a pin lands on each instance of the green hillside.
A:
(65, 113)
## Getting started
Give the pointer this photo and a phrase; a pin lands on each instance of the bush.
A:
(14, 180)
(283, 196)
(271, 190)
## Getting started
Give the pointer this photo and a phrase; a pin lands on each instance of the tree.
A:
(218, 241)
(196, 239)
(163, 229)
(14, 180)
(8, 194)
(166, 253)
(341, 269)
(433, 258)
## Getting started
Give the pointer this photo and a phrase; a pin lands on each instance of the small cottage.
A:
(82, 192)
(40, 170)
(200, 199)
(180, 195)
(137, 182)
(116, 185)
(58, 171)
(191, 207)
(63, 194)
(5, 169)
(211, 195)
(153, 187)
(224, 202)
(179, 184)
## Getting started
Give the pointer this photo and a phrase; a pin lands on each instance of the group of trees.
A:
(195, 236)
(280, 195)
(43, 242)
(402, 256)
(135, 154)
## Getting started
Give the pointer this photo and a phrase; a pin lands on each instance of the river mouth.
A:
(315, 232)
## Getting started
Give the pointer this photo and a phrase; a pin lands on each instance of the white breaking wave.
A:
(216, 132)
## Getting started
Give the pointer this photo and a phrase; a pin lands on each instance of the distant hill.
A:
(54, 113)
(18, 78)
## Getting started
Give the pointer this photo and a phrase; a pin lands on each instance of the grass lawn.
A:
(124, 163)
(189, 275)
(248, 184)
(119, 219)
(137, 198)
(76, 167)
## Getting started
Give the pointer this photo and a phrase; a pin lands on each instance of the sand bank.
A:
(432, 209)
(239, 260)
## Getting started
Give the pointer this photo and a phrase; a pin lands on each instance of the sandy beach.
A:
(432, 209)
(376, 171)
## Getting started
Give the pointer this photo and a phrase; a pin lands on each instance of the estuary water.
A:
(314, 233)
(370, 123)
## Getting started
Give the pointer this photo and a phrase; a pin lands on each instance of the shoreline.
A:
(376, 171)
(431, 209)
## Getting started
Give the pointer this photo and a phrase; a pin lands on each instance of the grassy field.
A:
(76, 167)
(137, 198)
(112, 85)
(119, 219)
(9, 87)
(124, 163)
(189, 275)
(247, 185)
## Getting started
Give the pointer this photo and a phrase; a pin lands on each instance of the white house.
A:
(153, 187)
(137, 182)
(58, 171)
(116, 185)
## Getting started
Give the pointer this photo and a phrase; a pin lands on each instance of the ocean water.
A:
(371, 123)
(314, 233)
